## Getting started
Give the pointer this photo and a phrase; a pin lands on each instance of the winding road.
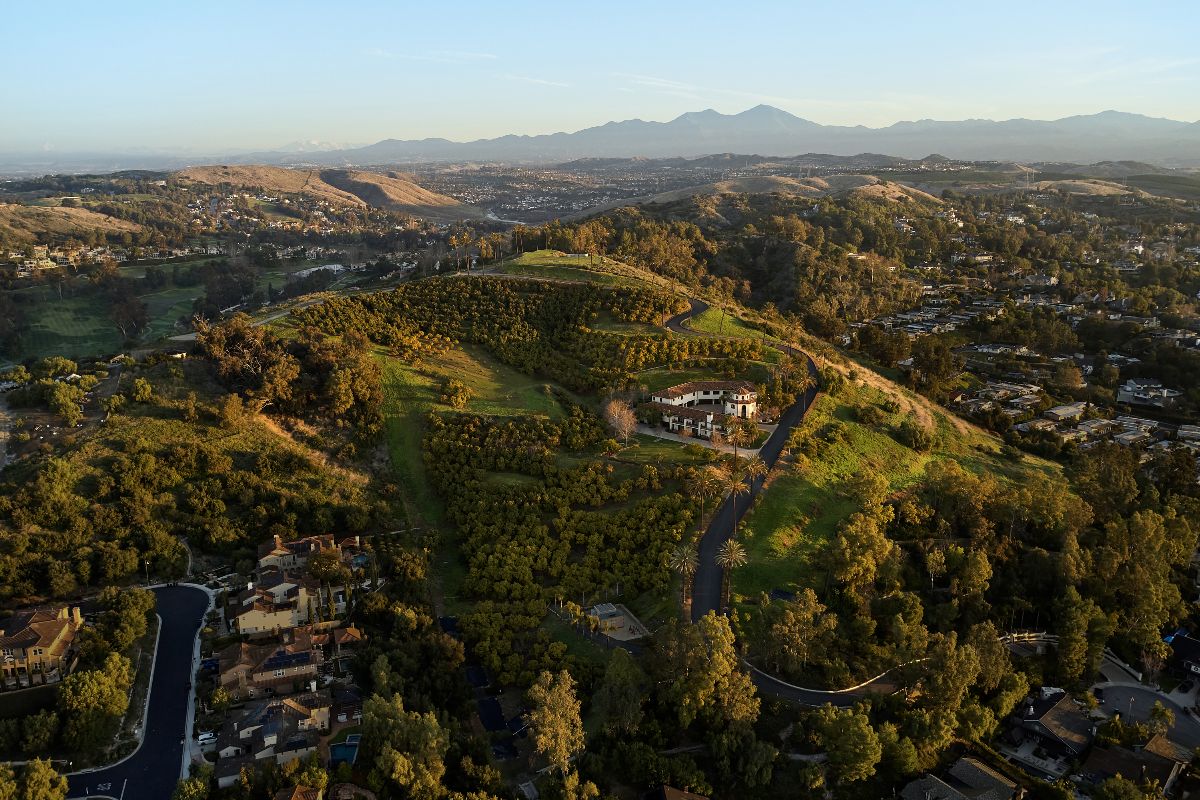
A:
(153, 770)
(706, 585)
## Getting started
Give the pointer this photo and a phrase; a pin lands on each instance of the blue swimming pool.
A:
(345, 751)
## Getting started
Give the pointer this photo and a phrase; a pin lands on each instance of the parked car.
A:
(206, 737)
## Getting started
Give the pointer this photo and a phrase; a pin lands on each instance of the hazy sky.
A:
(213, 76)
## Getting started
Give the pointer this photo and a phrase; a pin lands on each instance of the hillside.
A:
(398, 192)
(26, 222)
(827, 186)
(393, 190)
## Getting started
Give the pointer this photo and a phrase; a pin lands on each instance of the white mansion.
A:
(702, 407)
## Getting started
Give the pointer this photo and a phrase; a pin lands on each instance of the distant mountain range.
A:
(768, 131)
(762, 130)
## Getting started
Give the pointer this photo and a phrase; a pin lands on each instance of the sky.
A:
(215, 76)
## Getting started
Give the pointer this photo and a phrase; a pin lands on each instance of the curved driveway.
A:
(706, 586)
(153, 770)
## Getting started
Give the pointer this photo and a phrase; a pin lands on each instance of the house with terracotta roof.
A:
(733, 398)
(299, 793)
(295, 554)
(252, 670)
(37, 644)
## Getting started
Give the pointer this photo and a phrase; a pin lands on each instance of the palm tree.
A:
(803, 384)
(755, 469)
(731, 556)
(684, 561)
(704, 484)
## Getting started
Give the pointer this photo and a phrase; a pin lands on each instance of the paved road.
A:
(1135, 702)
(706, 586)
(152, 772)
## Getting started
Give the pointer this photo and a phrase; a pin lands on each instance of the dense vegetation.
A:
(535, 326)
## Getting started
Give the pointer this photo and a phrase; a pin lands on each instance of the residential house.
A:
(1147, 392)
(1066, 413)
(1159, 760)
(282, 730)
(299, 793)
(249, 670)
(736, 398)
(37, 644)
(291, 555)
(1047, 732)
(967, 779)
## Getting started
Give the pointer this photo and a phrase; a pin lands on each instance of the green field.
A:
(412, 392)
(720, 323)
(557, 266)
(71, 327)
(645, 449)
(808, 497)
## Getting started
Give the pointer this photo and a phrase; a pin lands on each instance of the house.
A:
(1132, 438)
(248, 670)
(299, 793)
(967, 779)
(290, 555)
(1047, 731)
(1159, 760)
(282, 730)
(1185, 650)
(736, 398)
(37, 644)
(283, 599)
(1066, 413)
(1147, 392)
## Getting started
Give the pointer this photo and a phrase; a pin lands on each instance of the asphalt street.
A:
(152, 772)
(1135, 702)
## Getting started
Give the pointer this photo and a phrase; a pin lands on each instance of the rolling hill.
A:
(23, 222)
(393, 190)
(867, 186)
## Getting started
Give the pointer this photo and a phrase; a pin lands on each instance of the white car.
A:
(206, 737)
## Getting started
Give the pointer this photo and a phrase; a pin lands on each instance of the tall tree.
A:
(555, 720)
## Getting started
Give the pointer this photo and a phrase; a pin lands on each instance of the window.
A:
(278, 673)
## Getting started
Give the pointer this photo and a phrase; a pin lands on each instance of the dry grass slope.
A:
(25, 222)
(391, 190)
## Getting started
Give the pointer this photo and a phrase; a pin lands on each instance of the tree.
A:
(852, 744)
(92, 702)
(619, 698)
(684, 562)
(129, 314)
(409, 748)
(142, 392)
(195, 787)
(65, 400)
(704, 483)
(9, 788)
(1162, 719)
(38, 732)
(803, 624)
(731, 555)
(554, 719)
(621, 418)
(40, 781)
(703, 675)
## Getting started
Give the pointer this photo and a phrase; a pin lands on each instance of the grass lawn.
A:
(807, 500)
(75, 327)
(559, 266)
(720, 323)
(644, 449)
(345, 732)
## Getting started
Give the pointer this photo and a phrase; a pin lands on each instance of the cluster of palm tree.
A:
(736, 477)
